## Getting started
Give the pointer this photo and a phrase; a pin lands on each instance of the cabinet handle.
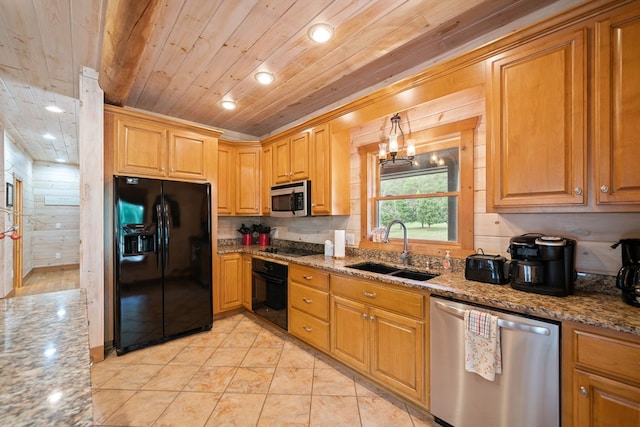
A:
(578, 190)
(604, 188)
(372, 318)
(583, 391)
(308, 301)
(369, 294)
(307, 277)
(306, 328)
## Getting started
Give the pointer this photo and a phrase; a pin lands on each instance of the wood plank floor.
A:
(43, 281)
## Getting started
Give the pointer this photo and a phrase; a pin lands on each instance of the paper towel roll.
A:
(338, 244)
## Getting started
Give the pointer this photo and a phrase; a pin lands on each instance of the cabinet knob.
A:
(578, 191)
(161, 169)
(364, 316)
(372, 318)
(604, 189)
(583, 391)
(173, 170)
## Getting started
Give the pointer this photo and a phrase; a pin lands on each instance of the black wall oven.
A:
(269, 290)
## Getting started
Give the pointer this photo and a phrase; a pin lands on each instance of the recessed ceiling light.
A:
(264, 77)
(54, 109)
(320, 33)
(48, 136)
(61, 161)
(227, 104)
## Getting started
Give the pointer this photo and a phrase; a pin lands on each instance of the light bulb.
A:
(320, 33)
(264, 77)
(411, 148)
(393, 143)
(382, 154)
(228, 104)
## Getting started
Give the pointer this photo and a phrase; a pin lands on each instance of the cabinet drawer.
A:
(309, 276)
(309, 300)
(309, 329)
(609, 355)
(397, 300)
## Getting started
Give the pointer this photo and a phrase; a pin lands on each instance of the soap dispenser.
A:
(446, 264)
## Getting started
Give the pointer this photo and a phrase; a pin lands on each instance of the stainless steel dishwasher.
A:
(525, 394)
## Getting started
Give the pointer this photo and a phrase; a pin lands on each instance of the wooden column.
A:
(91, 154)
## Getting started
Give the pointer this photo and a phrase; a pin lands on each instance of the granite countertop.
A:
(45, 375)
(595, 308)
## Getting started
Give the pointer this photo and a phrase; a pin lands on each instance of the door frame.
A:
(17, 244)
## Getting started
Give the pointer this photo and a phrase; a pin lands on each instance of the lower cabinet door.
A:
(603, 402)
(350, 332)
(397, 352)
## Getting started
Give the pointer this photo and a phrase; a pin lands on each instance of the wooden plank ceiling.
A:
(182, 57)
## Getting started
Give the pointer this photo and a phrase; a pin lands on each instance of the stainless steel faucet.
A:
(404, 256)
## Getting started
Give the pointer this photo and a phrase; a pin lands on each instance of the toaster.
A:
(486, 268)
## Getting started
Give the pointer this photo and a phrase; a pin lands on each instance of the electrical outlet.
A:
(350, 239)
(57, 255)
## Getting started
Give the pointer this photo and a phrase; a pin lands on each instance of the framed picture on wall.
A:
(9, 194)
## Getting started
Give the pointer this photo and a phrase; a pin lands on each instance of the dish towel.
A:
(482, 353)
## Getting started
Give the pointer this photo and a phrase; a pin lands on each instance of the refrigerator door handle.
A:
(167, 227)
(159, 234)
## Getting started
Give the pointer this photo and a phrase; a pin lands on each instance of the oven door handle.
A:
(271, 278)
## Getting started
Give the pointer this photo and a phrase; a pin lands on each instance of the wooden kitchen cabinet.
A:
(227, 292)
(239, 177)
(267, 178)
(291, 158)
(380, 330)
(329, 156)
(617, 106)
(536, 139)
(147, 146)
(247, 282)
(602, 383)
(309, 305)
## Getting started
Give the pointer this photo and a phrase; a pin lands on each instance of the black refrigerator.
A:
(163, 271)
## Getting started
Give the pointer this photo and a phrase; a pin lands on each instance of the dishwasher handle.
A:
(501, 322)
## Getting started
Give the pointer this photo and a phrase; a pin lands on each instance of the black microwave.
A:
(291, 200)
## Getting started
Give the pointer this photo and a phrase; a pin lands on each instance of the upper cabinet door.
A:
(187, 155)
(300, 156)
(281, 162)
(141, 147)
(617, 109)
(536, 103)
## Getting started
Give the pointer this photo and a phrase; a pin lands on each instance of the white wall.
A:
(16, 165)
(56, 195)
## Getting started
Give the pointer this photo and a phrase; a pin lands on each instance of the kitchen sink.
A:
(413, 275)
(374, 267)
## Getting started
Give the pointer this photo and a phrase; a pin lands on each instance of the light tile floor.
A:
(241, 373)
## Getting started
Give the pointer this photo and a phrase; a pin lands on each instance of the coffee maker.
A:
(542, 264)
(628, 279)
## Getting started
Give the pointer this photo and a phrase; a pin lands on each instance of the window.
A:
(432, 196)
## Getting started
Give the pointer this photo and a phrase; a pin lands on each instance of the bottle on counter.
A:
(328, 248)
(446, 264)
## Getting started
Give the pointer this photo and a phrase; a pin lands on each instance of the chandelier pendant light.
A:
(390, 152)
